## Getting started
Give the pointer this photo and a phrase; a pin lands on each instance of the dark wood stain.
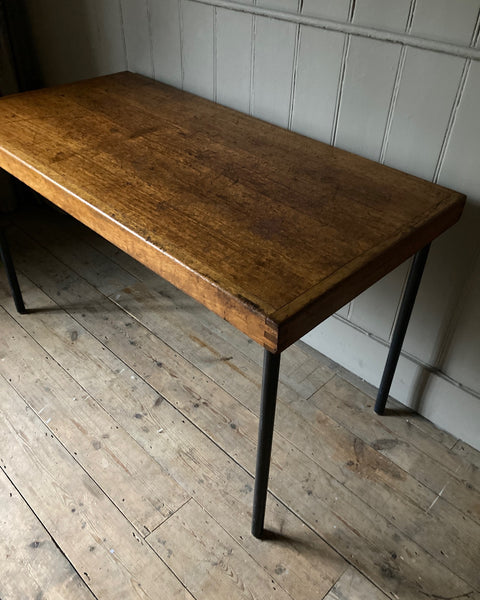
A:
(271, 230)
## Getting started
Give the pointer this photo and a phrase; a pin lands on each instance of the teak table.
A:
(271, 230)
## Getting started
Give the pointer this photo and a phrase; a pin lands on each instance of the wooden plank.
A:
(207, 356)
(133, 481)
(95, 537)
(224, 254)
(421, 426)
(367, 537)
(353, 586)
(406, 445)
(301, 370)
(329, 447)
(191, 328)
(470, 455)
(449, 407)
(31, 565)
(208, 561)
(217, 482)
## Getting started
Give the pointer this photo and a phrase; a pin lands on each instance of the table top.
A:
(271, 230)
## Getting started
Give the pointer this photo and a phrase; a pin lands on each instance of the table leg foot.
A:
(401, 325)
(11, 274)
(271, 367)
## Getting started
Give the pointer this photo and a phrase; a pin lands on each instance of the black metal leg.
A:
(401, 325)
(271, 367)
(11, 275)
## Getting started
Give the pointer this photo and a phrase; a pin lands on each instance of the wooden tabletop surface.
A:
(269, 229)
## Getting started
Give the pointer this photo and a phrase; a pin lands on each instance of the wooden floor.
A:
(128, 422)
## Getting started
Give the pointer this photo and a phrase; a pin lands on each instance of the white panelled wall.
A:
(397, 81)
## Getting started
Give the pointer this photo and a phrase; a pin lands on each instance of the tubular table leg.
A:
(271, 367)
(11, 274)
(401, 325)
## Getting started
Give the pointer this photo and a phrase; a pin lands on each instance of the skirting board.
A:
(440, 401)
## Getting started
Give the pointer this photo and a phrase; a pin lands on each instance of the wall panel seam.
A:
(396, 85)
(124, 40)
(296, 50)
(251, 99)
(388, 128)
(180, 27)
(452, 118)
(385, 35)
(150, 36)
(476, 31)
(215, 55)
(341, 77)
(341, 81)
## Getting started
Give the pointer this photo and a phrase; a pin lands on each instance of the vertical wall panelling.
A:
(294, 67)
(372, 70)
(368, 87)
(427, 91)
(233, 59)
(166, 40)
(454, 254)
(369, 79)
(336, 10)
(443, 19)
(105, 31)
(461, 169)
(391, 16)
(273, 64)
(198, 48)
(318, 67)
(138, 42)
(346, 48)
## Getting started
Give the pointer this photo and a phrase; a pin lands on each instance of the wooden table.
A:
(271, 230)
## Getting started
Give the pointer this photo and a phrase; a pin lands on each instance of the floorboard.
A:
(128, 425)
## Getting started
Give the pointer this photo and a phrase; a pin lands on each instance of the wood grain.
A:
(364, 521)
(269, 229)
(32, 566)
(96, 536)
(133, 481)
(223, 487)
(381, 533)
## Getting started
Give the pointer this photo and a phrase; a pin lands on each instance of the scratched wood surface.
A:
(271, 230)
(128, 431)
